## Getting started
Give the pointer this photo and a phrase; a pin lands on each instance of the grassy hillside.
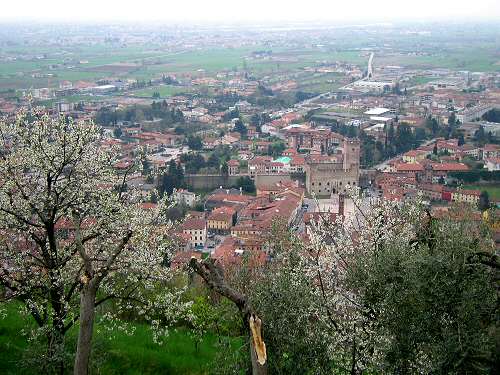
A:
(116, 353)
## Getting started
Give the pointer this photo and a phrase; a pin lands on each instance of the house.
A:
(233, 167)
(196, 228)
(492, 164)
(414, 156)
(184, 197)
(221, 220)
(467, 196)
(491, 151)
(409, 168)
(297, 164)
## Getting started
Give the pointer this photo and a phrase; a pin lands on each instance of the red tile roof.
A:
(194, 224)
(409, 167)
(449, 167)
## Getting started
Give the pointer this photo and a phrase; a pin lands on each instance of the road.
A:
(369, 74)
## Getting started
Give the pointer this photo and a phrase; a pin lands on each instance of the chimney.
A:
(341, 204)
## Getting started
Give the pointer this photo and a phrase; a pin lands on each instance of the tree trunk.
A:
(87, 312)
(213, 276)
(258, 354)
(55, 351)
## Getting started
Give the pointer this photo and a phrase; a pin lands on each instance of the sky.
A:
(234, 11)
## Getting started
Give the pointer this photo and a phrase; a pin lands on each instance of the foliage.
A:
(240, 127)
(404, 292)
(173, 179)
(476, 175)
(481, 137)
(259, 119)
(492, 115)
(193, 162)
(484, 201)
(432, 124)
(118, 352)
(434, 308)
(138, 113)
(246, 183)
(194, 142)
(117, 132)
(296, 332)
(276, 148)
(72, 232)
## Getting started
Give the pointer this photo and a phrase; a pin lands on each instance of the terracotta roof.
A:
(222, 213)
(409, 167)
(194, 224)
(450, 167)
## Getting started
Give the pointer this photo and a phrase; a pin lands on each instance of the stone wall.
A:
(209, 182)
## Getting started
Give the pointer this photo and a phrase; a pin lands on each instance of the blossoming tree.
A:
(74, 236)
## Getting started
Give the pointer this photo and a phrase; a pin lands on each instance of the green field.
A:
(144, 62)
(493, 191)
(117, 353)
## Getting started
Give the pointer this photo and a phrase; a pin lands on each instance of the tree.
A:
(173, 179)
(240, 127)
(73, 236)
(406, 292)
(484, 201)
(276, 148)
(286, 297)
(213, 276)
(246, 184)
(195, 143)
(432, 124)
(452, 120)
(117, 132)
(224, 169)
(492, 116)
(480, 136)
(193, 163)
(461, 140)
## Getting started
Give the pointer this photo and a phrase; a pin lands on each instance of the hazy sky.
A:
(231, 11)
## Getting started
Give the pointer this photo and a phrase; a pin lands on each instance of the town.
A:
(252, 131)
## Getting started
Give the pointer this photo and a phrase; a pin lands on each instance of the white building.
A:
(185, 197)
(492, 164)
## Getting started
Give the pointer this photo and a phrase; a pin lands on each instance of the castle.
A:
(331, 174)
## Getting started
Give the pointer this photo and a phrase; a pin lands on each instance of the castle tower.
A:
(341, 204)
(351, 154)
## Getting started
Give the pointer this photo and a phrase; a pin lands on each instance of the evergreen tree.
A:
(484, 201)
